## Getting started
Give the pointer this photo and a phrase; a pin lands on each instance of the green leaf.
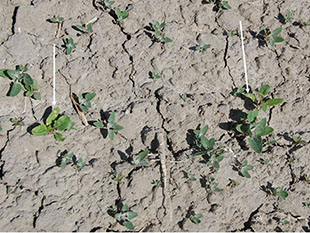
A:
(40, 130)
(37, 96)
(118, 216)
(264, 106)
(112, 117)
(89, 28)
(3, 73)
(125, 208)
(203, 131)
(251, 117)
(278, 39)
(59, 137)
(131, 215)
(15, 89)
(80, 28)
(118, 127)
(265, 131)
(196, 218)
(13, 74)
(90, 96)
(277, 31)
(111, 134)
(63, 163)
(274, 102)
(264, 90)
(251, 96)
(129, 225)
(142, 155)
(99, 124)
(28, 81)
(256, 144)
(211, 143)
(52, 116)
(167, 40)
(62, 123)
(245, 173)
(204, 142)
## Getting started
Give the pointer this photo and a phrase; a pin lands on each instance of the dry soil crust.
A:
(115, 63)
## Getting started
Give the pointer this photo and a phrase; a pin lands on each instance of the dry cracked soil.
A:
(194, 90)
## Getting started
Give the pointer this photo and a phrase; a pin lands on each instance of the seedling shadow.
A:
(260, 36)
(281, 18)
(44, 117)
(59, 158)
(104, 116)
(235, 115)
(267, 188)
(148, 31)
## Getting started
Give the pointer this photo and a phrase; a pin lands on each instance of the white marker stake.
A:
(54, 75)
(244, 61)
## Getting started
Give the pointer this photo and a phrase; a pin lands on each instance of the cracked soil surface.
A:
(114, 62)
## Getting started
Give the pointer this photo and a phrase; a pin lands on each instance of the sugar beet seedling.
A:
(273, 36)
(59, 20)
(20, 80)
(206, 148)
(123, 216)
(195, 218)
(121, 15)
(69, 45)
(77, 163)
(249, 125)
(159, 34)
(54, 123)
(109, 125)
(107, 4)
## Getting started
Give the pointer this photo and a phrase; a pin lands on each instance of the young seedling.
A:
(69, 45)
(118, 177)
(273, 36)
(215, 160)
(233, 183)
(284, 221)
(245, 168)
(72, 159)
(13, 188)
(85, 28)
(156, 183)
(121, 15)
(196, 218)
(123, 216)
(220, 5)
(212, 186)
(159, 34)
(139, 159)
(59, 20)
(20, 80)
(109, 125)
(156, 75)
(306, 204)
(54, 123)
(250, 125)
(17, 121)
(202, 48)
(107, 4)
(233, 33)
(190, 177)
(303, 23)
(282, 193)
(288, 17)
(84, 101)
(298, 141)
(205, 148)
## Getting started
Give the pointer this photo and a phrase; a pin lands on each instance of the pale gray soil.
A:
(115, 63)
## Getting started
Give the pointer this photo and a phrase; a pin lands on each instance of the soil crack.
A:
(14, 19)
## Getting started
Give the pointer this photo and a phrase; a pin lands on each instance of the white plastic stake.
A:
(54, 75)
(244, 61)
